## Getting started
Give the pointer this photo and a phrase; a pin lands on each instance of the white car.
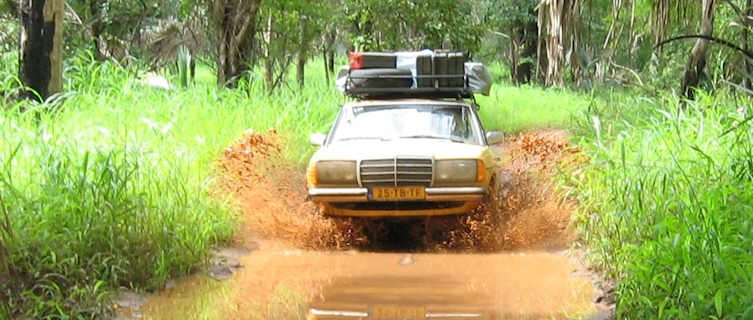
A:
(402, 158)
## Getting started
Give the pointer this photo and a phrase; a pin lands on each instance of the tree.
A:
(437, 24)
(95, 10)
(558, 39)
(40, 59)
(235, 27)
(518, 18)
(697, 60)
(746, 30)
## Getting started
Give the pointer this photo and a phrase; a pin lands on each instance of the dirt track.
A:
(290, 262)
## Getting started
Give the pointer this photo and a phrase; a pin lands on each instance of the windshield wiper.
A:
(428, 136)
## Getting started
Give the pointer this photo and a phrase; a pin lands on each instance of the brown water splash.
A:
(526, 213)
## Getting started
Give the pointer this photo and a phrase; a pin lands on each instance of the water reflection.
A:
(394, 297)
(280, 284)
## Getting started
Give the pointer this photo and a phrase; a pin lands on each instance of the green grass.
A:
(515, 109)
(667, 206)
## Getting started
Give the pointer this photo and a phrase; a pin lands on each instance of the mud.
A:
(508, 259)
(271, 194)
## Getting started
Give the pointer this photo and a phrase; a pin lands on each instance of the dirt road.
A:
(290, 263)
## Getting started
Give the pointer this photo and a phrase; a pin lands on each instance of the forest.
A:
(113, 114)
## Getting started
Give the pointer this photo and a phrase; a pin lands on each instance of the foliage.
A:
(666, 204)
(290, 30)
(8, 30)
(414, 25)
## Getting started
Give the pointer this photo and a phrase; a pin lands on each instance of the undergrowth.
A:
(667, 207)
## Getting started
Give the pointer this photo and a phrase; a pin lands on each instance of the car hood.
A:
(376, 149)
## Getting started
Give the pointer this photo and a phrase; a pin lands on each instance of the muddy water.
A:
(508, 263)
(279, 283)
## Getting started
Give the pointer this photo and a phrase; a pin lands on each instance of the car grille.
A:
(396, 172)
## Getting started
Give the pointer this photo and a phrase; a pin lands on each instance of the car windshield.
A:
(447, 122)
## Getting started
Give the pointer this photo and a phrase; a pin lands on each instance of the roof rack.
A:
(419, 74)
(435, 91)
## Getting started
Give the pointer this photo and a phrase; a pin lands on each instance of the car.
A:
(405, 157)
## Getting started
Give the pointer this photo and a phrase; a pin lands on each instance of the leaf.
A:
(718, 303)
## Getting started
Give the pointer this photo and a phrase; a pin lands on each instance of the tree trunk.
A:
(41, 42)
(514, 55)
(331, 61)
(235, 26)
(95, 10)
(269, 61)
(329, 53)
(324, 62)
(301, 69)
(611, 42)
(302, 52)
(558, 39)
(697, 61)
(525, 64)
(746, 61)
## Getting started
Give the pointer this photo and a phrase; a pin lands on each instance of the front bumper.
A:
(362, 194)
(438, 201)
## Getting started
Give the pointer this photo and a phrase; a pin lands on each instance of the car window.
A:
(454, 123)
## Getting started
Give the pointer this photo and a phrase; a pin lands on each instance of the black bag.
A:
(380, 78)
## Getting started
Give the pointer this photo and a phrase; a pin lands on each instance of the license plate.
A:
(398, 312)
(398, 193)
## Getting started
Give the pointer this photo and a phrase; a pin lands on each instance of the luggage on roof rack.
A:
(426, 73)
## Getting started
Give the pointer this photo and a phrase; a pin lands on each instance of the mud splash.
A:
(525, 213)
(271, 196)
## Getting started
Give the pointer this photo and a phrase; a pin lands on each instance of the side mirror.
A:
(494, 137)
(317, 139)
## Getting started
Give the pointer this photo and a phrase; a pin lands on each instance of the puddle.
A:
(276, 283)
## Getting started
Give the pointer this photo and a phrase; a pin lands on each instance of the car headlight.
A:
(336, 172)
(458, 171)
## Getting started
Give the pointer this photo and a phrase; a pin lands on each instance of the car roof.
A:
(367, 103)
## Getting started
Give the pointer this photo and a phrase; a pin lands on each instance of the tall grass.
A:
(667, 204)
